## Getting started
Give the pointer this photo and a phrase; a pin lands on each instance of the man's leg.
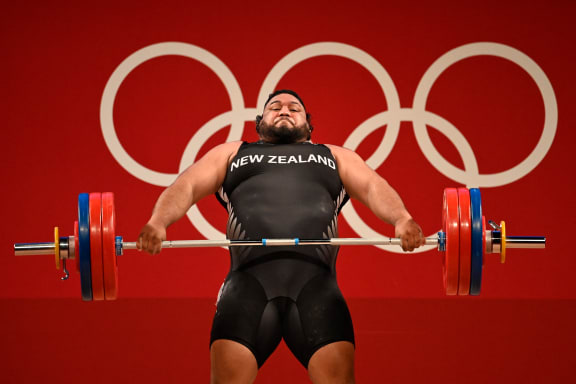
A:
(231, 363)
(333, 363)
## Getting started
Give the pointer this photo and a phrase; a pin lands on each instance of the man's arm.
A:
(365, 185)
(201, 179)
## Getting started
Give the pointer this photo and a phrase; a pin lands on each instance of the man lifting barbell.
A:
(282, 186)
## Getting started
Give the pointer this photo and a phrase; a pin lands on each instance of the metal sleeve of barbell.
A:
(31, 249)
(537, 242)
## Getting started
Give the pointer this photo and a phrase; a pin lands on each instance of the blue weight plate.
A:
(84, 245)
(477, 242)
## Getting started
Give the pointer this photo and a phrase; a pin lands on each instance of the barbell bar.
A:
(47, 248)
(464, 240)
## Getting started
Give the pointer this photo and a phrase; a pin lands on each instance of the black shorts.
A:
(284, 297)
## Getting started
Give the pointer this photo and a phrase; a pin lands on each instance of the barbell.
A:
(464, 240)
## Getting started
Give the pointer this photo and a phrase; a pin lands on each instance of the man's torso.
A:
(282, 191)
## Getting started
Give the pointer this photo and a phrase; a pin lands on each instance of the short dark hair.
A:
(290, 92)
(281, 91)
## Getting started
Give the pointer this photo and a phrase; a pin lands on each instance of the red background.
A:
(56, 60)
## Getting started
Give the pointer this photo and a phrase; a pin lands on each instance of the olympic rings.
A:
(418, 115)
(362, 58)
(191, 151)
(472, 178)
(127, 66)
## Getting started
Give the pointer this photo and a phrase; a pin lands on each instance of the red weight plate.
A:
(465, 241)
(109, 249)
(450, 226)
(96, 246)
(76, 250)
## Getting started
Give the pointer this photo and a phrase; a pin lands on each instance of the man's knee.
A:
(231, 362)
(333, 363)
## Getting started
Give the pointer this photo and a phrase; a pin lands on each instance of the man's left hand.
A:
(410, 233)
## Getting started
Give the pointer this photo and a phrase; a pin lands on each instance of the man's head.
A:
(284, 119)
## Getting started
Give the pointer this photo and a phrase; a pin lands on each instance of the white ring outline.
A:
(189, 156)
(127, 66)
(352, 53)
(550, 114)
(420, 118)
(442, 125)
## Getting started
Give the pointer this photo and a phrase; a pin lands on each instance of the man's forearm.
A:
(385, 202)
(172, 204)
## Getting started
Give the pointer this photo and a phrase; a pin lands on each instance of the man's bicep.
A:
(355, 174)
(207, 175)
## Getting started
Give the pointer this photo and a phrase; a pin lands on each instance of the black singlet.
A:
(282, 191)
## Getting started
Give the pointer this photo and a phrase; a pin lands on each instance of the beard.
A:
(284, 134)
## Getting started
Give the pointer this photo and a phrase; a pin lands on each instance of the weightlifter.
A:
(283, 186)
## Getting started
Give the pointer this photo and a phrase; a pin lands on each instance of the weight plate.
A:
(465, 239)
(76, 254)
(96, 246)
(57, 247)
(450, 226)
(109, 247)
(84, 246)
(502, 242)
(477, 242)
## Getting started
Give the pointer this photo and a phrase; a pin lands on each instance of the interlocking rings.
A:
(127, 66)
(392, 118)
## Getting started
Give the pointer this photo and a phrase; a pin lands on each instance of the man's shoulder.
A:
(229, 146)
(225, 151)
(337, 148)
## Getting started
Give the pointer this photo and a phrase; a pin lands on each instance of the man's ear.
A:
(258, 120)
(309, 120)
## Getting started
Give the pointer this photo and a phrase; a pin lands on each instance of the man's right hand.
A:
(151, 238)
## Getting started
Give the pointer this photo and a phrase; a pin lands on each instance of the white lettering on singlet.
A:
(273, 159)
(250, 159)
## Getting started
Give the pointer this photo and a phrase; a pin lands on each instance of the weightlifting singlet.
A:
(270, 293)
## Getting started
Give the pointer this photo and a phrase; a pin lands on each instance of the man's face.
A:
(284, 121)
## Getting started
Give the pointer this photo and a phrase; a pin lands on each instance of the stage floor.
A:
(452, 340)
